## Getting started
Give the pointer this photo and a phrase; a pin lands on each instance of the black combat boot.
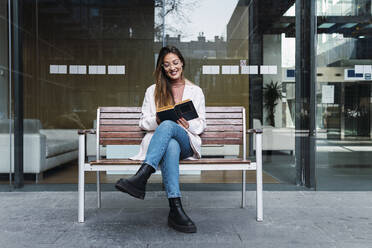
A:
(178, 219)
(136, 185)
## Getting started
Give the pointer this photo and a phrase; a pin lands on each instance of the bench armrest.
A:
(257, 130)
(86, 131)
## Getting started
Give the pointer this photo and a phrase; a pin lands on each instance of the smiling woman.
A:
(166, 142)
(169, 77)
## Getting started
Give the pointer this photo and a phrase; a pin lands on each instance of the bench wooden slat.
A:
(122, 134)
(138, 115)
(137, 141)
(121, 141)
(138, 129)
(120, 109)
(221, 135)
(138, 109)
(215, 128)
(211, 128)
(199, 161)
(215, 141)
(119, 122)
(211, 121)
(120, 115)
(224, 115)
(120, 128)
(224, 109)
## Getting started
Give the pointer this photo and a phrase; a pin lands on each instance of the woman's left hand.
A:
(183, 123)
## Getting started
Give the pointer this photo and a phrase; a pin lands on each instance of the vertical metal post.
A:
(98, 190)
(18, 93)
(244, 158)
(305, 119)
(98, 156)
(255, 58)
(243, 188)
(10, 90)
(81, 185)
(259, 183)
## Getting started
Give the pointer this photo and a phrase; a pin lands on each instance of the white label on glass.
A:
(92, 69)
(82, 69)
(226, 69)
(74, 69)
(273, 69)
(211, 69)
(264, 69)
(111, 69)
(368, 69)
(53, 69)
(234, 69)
(244, 69)
(101, 69)
(62, 69)
(120, 69)
(359, 68)
(253, 69)
(328, 94)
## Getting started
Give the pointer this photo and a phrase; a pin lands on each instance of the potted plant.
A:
(272, 92)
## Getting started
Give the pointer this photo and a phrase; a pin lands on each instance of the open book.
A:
(185, 109)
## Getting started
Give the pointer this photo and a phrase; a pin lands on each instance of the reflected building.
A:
(198, 49)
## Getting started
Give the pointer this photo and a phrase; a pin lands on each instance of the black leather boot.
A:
(178, 219)
(136, 185)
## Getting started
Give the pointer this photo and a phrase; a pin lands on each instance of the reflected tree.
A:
(179, 9)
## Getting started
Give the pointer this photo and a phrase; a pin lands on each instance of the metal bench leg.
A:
(98, 190)
(259, 200)
(81, 178)
(243, 188)
(39, 177)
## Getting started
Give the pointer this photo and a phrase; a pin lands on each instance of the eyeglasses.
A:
(175, 63)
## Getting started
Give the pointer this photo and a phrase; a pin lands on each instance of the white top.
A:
(196, 126)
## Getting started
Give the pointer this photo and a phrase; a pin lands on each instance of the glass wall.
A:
(79, 55)
(344, 65)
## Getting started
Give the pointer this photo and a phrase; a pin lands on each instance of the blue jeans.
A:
(168, 145)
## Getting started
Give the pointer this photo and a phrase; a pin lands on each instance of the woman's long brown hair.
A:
(163, 93)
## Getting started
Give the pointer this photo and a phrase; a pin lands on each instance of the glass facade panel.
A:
(344, 95)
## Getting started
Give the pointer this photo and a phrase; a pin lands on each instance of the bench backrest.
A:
(119, 126)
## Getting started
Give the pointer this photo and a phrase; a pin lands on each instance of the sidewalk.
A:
(291, 219)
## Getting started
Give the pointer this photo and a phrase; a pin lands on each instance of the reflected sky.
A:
(209, 17)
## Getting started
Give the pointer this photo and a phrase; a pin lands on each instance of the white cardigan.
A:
(196, 126)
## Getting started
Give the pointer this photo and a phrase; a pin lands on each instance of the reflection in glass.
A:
(344, 113)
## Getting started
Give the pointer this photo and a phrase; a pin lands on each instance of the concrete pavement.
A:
(291, 219)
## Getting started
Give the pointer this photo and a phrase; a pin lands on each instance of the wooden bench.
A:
(119, 126)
